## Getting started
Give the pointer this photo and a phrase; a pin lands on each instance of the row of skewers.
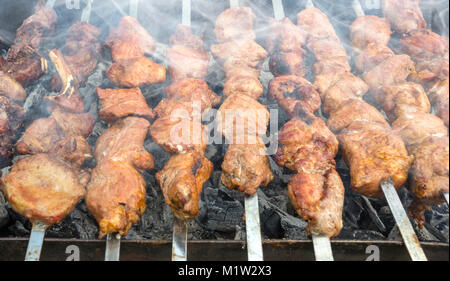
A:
(374, 151)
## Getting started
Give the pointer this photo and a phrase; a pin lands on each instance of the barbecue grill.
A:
(372, 228)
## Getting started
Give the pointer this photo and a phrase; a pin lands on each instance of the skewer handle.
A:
(356, 5)
(36, 241)
(86, 13)
(409, 236)
(134, 8)
(309, 4)
(253, 228)
(278, 10)
(322, 247)
(179, 242)
(51, 3)
(234, 3)
(112, 252)
(445, 195)
(186, 13)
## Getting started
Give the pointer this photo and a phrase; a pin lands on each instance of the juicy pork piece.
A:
(11, 89)
(429, 175)
(186, 58)
(43, 133)
(180, 134)
(374, 153)
(319, 199)
(308, 147)
(11, 119)
(43, 188)
(246, 166)
(405, 15)
(439, 97)
(416, 127)
(235, 24)
(82, 52)
(129, 40)
(371, 56)
(182, 180)
(25, 66)
(116, 192)
(241, 115)
(245, 52)
(316, 24)
(404, 98)
(392, 71)
(284, 43)
(136, 72)
(367, 30)
(118, 103)
(329, 55)
(294, 94)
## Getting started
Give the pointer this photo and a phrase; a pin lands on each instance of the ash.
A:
(222, 210)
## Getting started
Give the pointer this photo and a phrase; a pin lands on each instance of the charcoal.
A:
(4, 216)
(359, 234)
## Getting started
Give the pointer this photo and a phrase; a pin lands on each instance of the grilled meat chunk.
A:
(439, 97)
(293, 94)
(367, 30)
(371, 56)
(404, 98)
(118, 103)
(136, 72)
(43, 188)
(116, 192)
(129, 40)
(182, 180)
(405, 15)
(374, 153)
(235, 24)
(11, 89)
(11, 120)
(186, 58)
(316, 24)
(319, 199)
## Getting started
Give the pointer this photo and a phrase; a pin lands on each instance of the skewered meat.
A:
(181, 181)
(317, 193)
(371, 56)
(284, 43)
(43, 188)
(241, 115)
(73, 104)
(337, 88)
(429, 175)
(241, 119)
(43, 133)
(403, 99)
(116, 192)
(329, 55)
(179, 134)
(129, 40)
(136, 72)
(118, 103)
(293, 94)
(11, 89)
(24, 64)
(316, 24)
(11, 119)
(235, 24)
(439, 96)
(306, 146)
(246, 166)
(392, 71)
(374, 153)
(186, 58)
(81, 53)
(366, 30)
(405, 15)
(416, 127)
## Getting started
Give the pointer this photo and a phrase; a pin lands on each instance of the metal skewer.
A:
(409, 236)
(38, 230)
(180, 228)
(252, 221)
(322, 243)
(445, 195)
